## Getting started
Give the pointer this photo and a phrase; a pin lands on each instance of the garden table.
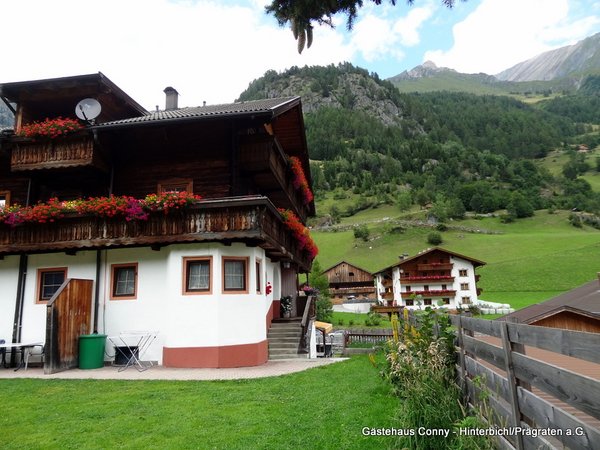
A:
(25, 348)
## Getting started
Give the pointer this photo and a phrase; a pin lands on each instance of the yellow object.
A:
(324, 326)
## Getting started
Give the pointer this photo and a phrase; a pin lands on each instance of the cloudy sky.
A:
(210, 50)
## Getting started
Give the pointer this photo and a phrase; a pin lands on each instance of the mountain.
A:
(556, 71)
(579, 58)
(6, 116)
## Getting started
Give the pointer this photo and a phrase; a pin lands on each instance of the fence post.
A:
(463, 367)
(512, 383)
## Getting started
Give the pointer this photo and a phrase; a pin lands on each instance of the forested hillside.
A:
(6, 116)
(453, 150)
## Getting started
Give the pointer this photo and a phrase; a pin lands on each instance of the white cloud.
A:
(207, 50)
(526, 28)
(377, 35)
(408, 27)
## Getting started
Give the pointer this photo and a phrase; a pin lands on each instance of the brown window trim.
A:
(6, 195)
(113, 279)
(184, 288)
(38, 292)
(258, 267)
(176, 184)
(246, 261)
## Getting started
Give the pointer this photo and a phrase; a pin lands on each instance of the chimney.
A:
(172, 97)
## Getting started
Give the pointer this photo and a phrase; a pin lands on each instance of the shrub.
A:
(434, 238)
(373, 319)
(361, 232)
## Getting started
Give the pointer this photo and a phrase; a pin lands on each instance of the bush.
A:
(373, 319)
(434, 238)
(324, 309)
(361, 232)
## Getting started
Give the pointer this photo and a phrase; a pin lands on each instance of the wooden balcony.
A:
(266, 163)
(432, 293)
(427, 279)
(76, 150)
(434, 266)
(253, 220)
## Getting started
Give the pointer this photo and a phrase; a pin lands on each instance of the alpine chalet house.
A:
(348, 281)
(188, 221)
(433, 277)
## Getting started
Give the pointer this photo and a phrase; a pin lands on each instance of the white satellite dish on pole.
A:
(88, 109)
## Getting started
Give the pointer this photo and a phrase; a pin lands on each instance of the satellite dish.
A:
(88, 109)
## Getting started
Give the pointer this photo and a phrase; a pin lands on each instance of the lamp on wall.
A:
(286, 265)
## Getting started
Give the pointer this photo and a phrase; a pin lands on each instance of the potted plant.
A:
(285, 306)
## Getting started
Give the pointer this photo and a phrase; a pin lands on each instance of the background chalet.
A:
(432, 276)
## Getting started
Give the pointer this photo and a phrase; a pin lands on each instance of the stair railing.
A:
(309, 315)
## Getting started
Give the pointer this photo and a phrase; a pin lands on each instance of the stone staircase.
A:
(284, 339)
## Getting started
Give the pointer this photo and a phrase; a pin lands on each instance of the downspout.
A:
(20, 300)
(97, 289)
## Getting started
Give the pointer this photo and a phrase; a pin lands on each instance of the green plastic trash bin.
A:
(91, 351)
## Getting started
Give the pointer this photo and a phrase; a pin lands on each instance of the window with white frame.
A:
(464, 286)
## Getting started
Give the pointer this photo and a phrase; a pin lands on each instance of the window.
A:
(427, 302)
(444, 287)
(49, 280)
(425, 287)
(351, 274)
(235, 275)
(463, 273)
(258, 277)
(408, 289)
(466, 300)
(446, 300)
(176, 185)
(196, 275)
(464, 286)
(410, 302)
(4, 198)
(124, 281)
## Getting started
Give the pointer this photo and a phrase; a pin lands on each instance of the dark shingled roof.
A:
(269, 107)
(585, 298)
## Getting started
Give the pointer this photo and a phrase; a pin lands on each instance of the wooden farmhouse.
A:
(433, 277)
(348, 282)
(576, 310)
(185, 221)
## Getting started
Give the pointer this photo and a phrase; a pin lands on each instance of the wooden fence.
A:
(531, 402)
(376, 336)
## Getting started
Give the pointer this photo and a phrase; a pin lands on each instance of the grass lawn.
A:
(341, 320)
(321, 408)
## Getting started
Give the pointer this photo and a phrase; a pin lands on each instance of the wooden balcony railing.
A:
(435, 278)
(434, 266)
(253, 220)
(432, 293)
(70, 151)
(267, 164)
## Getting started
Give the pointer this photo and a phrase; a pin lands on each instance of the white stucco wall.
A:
(9, 269)
(458, 265)
(217, 319)
(81, 265)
